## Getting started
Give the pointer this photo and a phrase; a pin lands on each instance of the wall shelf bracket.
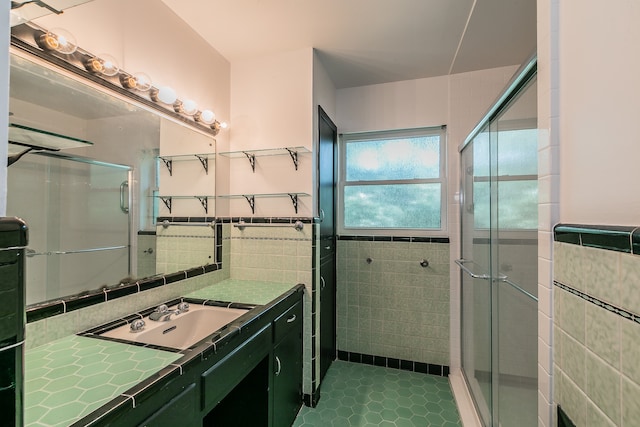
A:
(169, 164)
(204, 160)
(204, 201)
(294, 158)
(294, 201)
(251, 199)
(252, 160)
(167, 201)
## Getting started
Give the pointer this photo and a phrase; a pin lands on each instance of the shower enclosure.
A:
(498, 265)
(78, 215)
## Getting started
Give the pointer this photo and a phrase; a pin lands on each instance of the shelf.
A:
(252, 154)
(251, 198)
(168, 201)
(23, 139)
(203, 158)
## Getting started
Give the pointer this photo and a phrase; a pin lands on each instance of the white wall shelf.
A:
(252, 154)
(203, 158)
(251, 198)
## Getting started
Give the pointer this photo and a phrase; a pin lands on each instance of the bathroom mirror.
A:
(90, 199)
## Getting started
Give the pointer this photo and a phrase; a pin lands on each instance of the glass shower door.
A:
(499, 206)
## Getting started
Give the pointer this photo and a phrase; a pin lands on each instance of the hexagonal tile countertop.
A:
(244, 291)
(71, 377)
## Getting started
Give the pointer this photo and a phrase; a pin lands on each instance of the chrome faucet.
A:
(162, 313)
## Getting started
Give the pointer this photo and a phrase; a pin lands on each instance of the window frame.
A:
(349, 138)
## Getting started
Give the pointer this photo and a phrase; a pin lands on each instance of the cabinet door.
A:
(287, 379)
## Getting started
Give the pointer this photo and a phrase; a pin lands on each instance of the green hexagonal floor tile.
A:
(377, 396)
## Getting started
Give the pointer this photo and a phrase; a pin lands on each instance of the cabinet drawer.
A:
(288, 321)
(220, 379)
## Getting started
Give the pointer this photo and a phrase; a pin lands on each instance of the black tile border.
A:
(86, 299)
(634, 317)
(618, 238)
(403, 239)
(390, 362)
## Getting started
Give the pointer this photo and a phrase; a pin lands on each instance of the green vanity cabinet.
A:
(181, 411)
(287, 367)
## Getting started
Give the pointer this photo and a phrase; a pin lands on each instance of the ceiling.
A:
(364, 42)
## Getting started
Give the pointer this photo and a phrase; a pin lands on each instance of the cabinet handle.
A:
(279, 365)
(322, 282)
(291, 319)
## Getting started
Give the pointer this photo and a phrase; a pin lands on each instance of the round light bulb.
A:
(109, 65)
(207, 117)
(224, 125)
(189, 107)
(143, 81)
(57, 39)
(166, 95)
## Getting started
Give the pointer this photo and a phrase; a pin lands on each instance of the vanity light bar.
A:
(62, 45)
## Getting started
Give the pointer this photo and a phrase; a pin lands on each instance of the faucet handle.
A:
(137, 325)
(183, 306)
(162, 308)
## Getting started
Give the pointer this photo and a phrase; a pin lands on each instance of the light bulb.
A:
(164, 94)
(205, 116)
(57, 39)
(138, 81)
(189, 107)
(224, 125)
(102, 64)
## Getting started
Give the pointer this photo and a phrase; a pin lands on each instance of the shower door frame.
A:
(522, 78)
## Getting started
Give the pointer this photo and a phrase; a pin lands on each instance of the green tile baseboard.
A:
(390, 362)
(617, 238)
(634, 317)
(404, 239)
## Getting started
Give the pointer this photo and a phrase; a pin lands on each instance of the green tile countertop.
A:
(68, 378)
(244, 291)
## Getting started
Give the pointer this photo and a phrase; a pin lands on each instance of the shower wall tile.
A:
(630, 402)
(597, 325)
(393, 307)
(603, 387)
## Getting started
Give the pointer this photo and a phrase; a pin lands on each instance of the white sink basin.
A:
(183, 330)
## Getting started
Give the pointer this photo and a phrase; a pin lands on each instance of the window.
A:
(393, 182)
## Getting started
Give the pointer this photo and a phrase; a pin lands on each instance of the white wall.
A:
(271, 108)
(598, 106)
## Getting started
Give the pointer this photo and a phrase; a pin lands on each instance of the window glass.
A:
(392, 206)
(392, 159)
(392, 181)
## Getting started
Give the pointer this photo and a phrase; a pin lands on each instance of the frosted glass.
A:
(393, 159)
(392, 206)
(517, 152)
(517, 205)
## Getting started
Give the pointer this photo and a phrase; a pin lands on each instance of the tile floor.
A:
(354, 394)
